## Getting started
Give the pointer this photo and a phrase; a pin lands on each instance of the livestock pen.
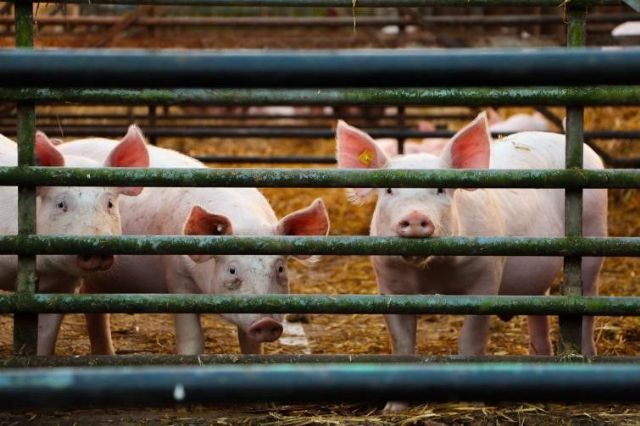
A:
(579, 78)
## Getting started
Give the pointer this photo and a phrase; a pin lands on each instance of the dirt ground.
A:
(351, 334)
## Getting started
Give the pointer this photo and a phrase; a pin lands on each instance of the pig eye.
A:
(280, 267)
(440, 190)
(110, 204)
(389, 191)
(62, 206)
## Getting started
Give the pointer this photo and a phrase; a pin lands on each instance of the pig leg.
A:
(248, 345)
(402, 329)
(48, 328)
(189, 337)
(49, 324)
(590, 271)
(98, 328)
(539, 342)
(474, 335)
(475, 330)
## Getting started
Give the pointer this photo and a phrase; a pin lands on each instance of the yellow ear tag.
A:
(366, 157)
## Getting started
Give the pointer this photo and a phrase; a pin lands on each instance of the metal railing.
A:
(579, 75)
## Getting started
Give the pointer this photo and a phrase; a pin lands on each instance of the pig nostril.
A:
(404, 224)
(423, 224)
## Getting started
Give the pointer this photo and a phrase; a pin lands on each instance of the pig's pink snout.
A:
(415, 225)
(266, 330)
(93, 262)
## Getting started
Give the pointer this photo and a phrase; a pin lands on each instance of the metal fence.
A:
(560, 77)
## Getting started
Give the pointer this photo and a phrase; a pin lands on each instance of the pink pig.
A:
(441, 212)
(67, 211)
(199, 211)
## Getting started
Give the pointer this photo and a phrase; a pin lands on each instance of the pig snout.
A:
(415, 225)
(93, 262)
(265, 330)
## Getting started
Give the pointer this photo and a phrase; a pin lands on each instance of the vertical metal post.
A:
(571, 326)
(153, 140)
(25, 327)
(401, 123)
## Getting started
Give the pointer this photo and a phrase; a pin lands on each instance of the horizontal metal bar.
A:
(307, 21)
(245, 116)
(155, 359)
(344, 245)
(348, 68)
(320, 304)
(229, 21)
(450, 96)
(319, 178)
(344, 3)
(278, 132)
(142, 386)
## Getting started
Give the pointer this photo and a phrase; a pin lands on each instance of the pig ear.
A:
(201, 222)
(470, 148)
(130, 152)
(357, 150)
(312, 220)
(47, 154)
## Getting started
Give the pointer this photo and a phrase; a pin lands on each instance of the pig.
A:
(627, 28)
(519, 123)
(66, 211)
(443, 212)
(515, 123)
(199, 211)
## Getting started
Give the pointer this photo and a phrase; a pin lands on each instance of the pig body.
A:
(422, 213)
(65, 211)
(199, 211)
(627, 29)
(521, 123)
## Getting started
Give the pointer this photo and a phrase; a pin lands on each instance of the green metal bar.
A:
(571, 326)
(294, 383)
(319, 68)
(321, 304)
(321, 178)
(344, 245)
(343, 3)
(155, 359)
(451, 96)
(25, 327)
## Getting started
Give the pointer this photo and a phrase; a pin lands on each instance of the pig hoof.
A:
(395, 406)
(298, 318)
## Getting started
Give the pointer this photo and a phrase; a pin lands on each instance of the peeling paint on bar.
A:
(335, 245)
(451, 96)
(156, 359)
(321, 304)
(321, 178)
